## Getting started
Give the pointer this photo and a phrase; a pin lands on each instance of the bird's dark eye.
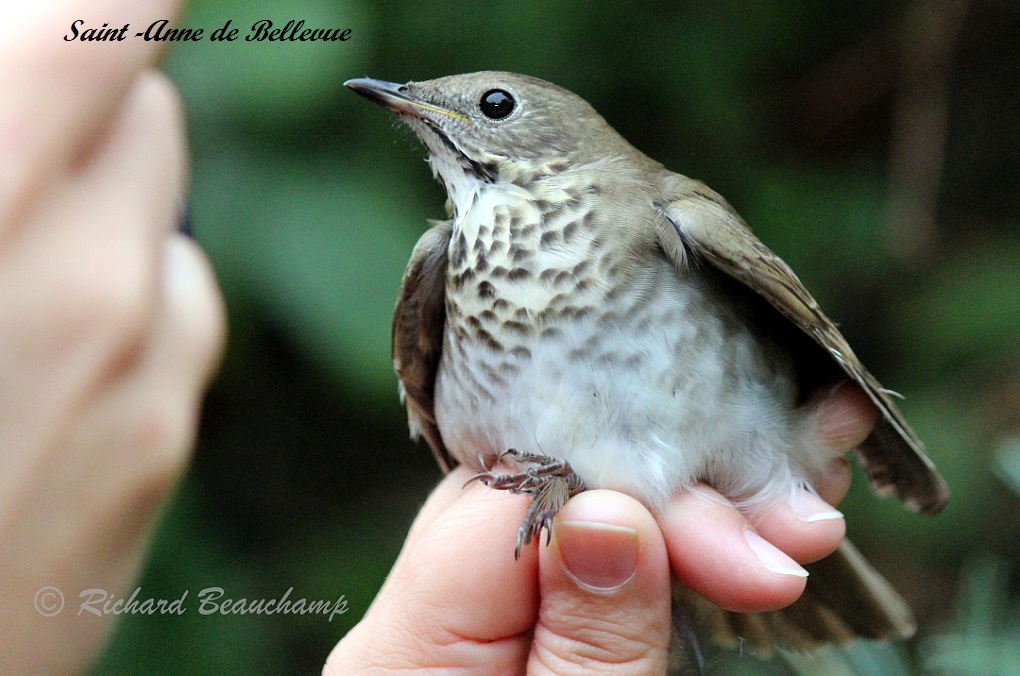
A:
(496, 104)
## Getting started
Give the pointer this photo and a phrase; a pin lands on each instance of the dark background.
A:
(874, 145)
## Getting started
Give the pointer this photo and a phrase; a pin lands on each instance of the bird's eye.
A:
(496, 104)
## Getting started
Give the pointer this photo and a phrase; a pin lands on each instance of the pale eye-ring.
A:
(496, 104)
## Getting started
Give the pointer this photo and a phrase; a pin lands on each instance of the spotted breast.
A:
(558, 344)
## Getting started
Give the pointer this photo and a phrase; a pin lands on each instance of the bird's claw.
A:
(549, 481)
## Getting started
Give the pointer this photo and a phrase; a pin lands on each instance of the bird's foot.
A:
(549, 481)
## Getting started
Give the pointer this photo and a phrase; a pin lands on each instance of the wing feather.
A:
(419, 321)
(698, 225)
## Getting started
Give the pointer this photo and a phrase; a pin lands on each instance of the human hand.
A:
(747, 567)
(111, 323)
(598, 598)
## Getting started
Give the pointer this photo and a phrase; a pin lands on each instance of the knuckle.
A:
(158, 439)
(112, 303)
(601, 647)
(164, 432)
(148, 494)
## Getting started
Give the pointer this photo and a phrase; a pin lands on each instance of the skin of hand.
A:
(597, 600)
(111, 323)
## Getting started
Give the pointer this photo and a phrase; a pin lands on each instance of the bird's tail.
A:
(845, 599)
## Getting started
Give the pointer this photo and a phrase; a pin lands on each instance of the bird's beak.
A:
(396, 97)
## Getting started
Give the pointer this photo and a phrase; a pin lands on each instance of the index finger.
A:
(715, 551)
(59, 88)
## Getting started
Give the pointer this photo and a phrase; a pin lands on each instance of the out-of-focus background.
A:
(875, 145)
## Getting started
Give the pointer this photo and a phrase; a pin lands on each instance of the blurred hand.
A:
(110, 323)
(598, 599)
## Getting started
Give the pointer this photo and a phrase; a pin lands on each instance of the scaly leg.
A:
(550, 481)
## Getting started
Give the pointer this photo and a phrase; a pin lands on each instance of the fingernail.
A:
(810, 508)
(180, 276)
(772, 558)
(709, 496)
(598, 555)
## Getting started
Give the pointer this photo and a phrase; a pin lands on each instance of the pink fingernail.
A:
(598, 555)
(771, 557)
(810, 508)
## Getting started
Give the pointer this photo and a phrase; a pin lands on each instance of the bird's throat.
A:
(463, 186)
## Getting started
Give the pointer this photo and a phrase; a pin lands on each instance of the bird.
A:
(595, 320)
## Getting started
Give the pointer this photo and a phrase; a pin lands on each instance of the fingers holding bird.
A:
(746, 565)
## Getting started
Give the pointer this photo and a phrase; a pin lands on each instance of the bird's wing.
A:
(419, 320)
(697, 225)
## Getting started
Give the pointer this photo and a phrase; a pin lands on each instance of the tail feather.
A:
(845, 598)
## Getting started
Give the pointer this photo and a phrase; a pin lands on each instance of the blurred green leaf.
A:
(826, 225)
(319, 246)
(968, 310)
(267, 81)
(986, 637)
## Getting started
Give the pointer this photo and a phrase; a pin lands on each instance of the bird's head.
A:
(493, 126)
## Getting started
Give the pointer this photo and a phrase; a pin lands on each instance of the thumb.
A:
(604, 590)
(456, 599)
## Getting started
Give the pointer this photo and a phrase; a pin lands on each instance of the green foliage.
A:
(968, 313)
(985, 638)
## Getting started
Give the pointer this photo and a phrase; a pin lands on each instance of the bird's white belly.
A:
(645, 401)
